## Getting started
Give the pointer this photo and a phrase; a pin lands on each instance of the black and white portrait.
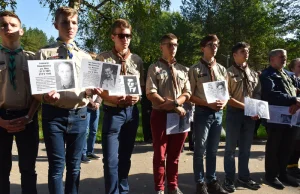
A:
(216, 90)
(250, 107)
(262, 109)
(286, 118)
(131, 85)
(108, 76)
(64, 74)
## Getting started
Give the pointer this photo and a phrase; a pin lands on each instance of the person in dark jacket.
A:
(278, 88)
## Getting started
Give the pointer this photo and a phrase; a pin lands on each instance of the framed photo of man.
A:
(109, 75)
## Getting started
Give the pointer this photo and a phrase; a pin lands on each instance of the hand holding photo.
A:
(254, 107)
(216, 90)
(126, 85)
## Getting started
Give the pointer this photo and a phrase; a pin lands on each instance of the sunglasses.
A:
(170, 45)
(212, 44)
(122, 36)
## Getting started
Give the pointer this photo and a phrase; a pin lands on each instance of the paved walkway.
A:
(141, 179)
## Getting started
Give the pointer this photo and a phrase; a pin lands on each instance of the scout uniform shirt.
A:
(199, 74)
(74, 98)
(20, 97)
(134, 66)
(243, 84)
(160, 80)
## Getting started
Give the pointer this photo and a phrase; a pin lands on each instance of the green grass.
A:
(261, 133)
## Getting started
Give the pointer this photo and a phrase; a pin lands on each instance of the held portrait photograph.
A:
(216, 90)
(64, 74)
(109, 75)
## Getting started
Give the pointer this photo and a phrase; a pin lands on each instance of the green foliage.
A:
(33, 39)
(8, 5)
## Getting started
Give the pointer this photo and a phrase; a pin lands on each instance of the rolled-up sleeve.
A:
(151, 83)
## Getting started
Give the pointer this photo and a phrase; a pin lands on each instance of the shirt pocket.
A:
(181, 78)
(3, 68)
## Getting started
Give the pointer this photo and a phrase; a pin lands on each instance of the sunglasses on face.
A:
(170, 45)
(122, 36)
(212, 44)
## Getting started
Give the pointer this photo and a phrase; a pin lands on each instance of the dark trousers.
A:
(119, 128)
(27, 143)
(64, 134)
(279, 146)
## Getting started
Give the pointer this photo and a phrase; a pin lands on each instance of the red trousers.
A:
(166, 148)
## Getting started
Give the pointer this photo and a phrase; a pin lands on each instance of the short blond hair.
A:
(65, 11)
(120, 23)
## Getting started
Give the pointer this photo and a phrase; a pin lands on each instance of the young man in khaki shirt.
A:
(167, 87)
(242, 82)
(207, 117)
(121, 115)
(17, 107)
(64, 114)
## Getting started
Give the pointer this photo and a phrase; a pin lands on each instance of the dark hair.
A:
(10, 14)
(206, 39)
(220, 84)
(120, 23)
(239, 46)
(261, 103)
(65, 11)
(168, 36)
(292, 64)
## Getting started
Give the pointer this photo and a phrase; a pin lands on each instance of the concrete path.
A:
(141, 179)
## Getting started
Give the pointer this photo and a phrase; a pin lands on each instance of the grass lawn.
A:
(139, 137)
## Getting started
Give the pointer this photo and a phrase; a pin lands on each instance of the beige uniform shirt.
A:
(160, 81)
(134, 64)
(20, 98)
(236, 86)
(199, 74)
(68, 99)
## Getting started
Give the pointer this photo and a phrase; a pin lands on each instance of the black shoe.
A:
(250, 184)
(274, 182)
(228, 185)
(201, 188)
(215, 188)
(289, 180)
(85, 160)
(294, 172)
(93, 156)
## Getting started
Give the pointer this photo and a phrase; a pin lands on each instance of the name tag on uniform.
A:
(202, 75)
(55, 57)
(2, 62)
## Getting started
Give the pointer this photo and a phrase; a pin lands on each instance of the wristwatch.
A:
(176, 103)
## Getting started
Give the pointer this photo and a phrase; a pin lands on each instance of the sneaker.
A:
(289, 180)
(93, 156)
(274, 182)
(85, 160)
(201, 188)
(215, 188)
(250, 184)
(160, 192)
(294, 172)
(176, 191)
(228, 185)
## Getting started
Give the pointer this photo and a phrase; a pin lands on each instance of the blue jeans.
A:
(91, 130)
(64, 134)
(207, 131)
(118, 136)
(27, 143)
(239, 129)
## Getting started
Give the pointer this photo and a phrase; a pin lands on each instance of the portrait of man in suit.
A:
(131, 85)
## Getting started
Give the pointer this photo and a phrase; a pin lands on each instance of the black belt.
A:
(11, 112)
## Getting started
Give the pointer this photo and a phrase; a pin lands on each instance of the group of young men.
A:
(168, 86)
